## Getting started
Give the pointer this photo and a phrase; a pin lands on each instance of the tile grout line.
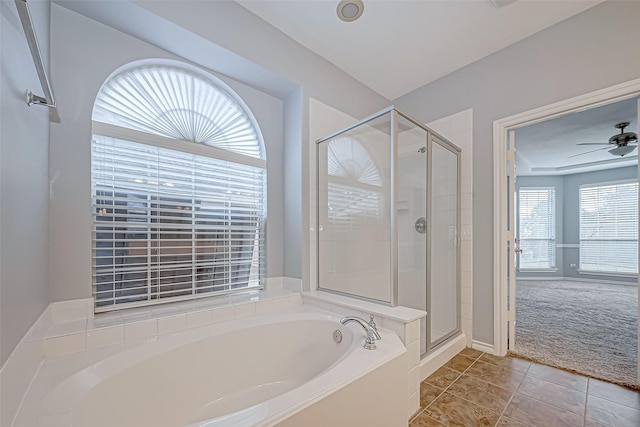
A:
(586, 398)
(446, 388)
(611, 400)
(552, 404)
(468, 401)
(515, 390)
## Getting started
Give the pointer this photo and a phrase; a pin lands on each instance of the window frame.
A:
(552, 259)
(109, 130)
(581, 268)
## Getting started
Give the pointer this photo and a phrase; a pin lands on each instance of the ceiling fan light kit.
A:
(623, 137)
(622, 150)
(620, 140)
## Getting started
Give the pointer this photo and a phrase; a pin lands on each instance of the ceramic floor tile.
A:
(558, 376)
(563, 397)
(428, 394)
(497, 375)
(518, 365)
(451, 410)
(443, 377)
(615, 393)
(423, 420)
(536, 413)
(591, 423)
(481, 393)
(459, 363)
(607, 412)
(470, 352)
(508, 422)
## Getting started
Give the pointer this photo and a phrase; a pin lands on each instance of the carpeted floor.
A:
(589, 328)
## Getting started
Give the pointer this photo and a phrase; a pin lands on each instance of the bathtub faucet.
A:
(372, 334)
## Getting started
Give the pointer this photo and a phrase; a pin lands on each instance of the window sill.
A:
(537, 270)
(605, 273)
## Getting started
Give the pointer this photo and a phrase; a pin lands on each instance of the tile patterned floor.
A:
(479, 389)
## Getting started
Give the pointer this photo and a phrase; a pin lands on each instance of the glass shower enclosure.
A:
(388, 219)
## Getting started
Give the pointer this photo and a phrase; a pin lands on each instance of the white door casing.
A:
(503, 260)
(510, 234)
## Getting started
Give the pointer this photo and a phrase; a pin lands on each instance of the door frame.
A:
(501, 128)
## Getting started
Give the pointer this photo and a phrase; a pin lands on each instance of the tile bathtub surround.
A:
(479, 389)
(404, 321)
(66, 331)
(70, 327)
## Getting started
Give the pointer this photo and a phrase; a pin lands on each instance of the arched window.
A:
(178, 188)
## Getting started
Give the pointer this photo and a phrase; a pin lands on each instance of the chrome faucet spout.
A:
(372, 334)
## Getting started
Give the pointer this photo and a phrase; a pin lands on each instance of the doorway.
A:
(576, 234)
(504, 205)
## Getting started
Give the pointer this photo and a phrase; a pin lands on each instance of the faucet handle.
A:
(373, 325)
(370, 342)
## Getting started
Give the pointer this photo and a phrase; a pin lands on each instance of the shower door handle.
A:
(421, 225)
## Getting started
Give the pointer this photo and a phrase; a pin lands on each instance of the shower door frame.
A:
(432, 137)
(393, 135)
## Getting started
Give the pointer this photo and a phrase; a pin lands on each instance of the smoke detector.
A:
(350, 10)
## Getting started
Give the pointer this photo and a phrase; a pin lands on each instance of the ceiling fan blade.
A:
(593, 143)
(587, 152)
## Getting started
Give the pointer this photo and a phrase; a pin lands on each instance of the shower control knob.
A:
(421, 225)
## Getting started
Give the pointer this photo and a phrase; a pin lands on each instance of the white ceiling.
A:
(544, 148)
(398, 46)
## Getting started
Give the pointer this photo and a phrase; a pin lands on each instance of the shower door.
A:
(427, 210)
(443, 290)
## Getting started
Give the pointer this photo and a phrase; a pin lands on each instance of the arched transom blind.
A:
(347, 158)
(174, 221)
(179, 104)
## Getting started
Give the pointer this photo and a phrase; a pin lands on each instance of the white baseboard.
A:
(481, 346)
(577, 279)
(441, 355)
(606, 282)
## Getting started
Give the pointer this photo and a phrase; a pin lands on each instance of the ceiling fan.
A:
(620, 140)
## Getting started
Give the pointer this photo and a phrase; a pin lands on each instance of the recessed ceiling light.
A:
(350, 10)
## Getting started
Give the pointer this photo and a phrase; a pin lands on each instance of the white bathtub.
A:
(255, 371)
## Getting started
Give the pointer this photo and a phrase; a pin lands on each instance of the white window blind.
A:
(352, 207)
(174, 221)
(537, 227)
(609, 228)
(354, 196)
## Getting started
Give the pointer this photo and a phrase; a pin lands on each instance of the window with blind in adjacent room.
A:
(537, 228)
(609, 228)
(178, 189)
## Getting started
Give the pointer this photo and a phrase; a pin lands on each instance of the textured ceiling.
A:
(544, 148)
